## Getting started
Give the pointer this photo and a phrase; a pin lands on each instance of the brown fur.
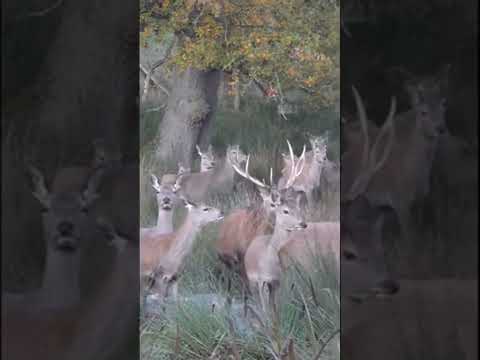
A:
(238, 230)
(304, 245)
(153, 247)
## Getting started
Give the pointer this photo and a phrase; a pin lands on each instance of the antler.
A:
(363, 123)
(247, 176)
(296, 169)
(155, 183)
(40, 190)
(370, 165)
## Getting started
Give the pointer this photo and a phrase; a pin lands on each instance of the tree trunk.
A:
(190, 108)
(236, 99)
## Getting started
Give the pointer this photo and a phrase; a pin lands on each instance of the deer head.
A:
(428, 100)
(319, 148)
(66, 222)
(288, 217)
(182, 169)
(363, 265)
(165, 194)
(207, 159)
(202, 214)
(235, 155)
(269, 193)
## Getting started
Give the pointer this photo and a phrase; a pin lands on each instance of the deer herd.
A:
(385, 171)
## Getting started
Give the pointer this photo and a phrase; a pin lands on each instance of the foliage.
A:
(279, 44)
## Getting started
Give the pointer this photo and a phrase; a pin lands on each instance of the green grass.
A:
(308, 316)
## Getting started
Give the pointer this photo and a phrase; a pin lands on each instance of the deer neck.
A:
(164, 220)
(226, 171)
(315, 170)
(61, 285)
(184, 239)
(113, 309)
(279, 238)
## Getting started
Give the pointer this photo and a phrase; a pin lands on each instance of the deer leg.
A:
(229, 292)
(174, 291)
(245, 299)
(261, 292)
(271, 297)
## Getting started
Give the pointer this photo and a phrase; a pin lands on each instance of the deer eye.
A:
(285, 211)
(206, 209)
(348, 255)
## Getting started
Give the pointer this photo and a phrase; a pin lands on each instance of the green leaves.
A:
(297, 40)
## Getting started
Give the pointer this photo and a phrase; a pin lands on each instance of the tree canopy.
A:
(279, 44)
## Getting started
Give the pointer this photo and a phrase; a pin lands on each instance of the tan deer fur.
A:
(304, 246)
(309, 179)
(162, 256)
(167, 200)
(262, 263)
(199, 186)
(207, 159)
(241, 226)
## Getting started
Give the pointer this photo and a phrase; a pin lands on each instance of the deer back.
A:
(420, 313)
(238, 230)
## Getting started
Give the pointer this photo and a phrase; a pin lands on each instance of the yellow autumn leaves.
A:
(262, 39)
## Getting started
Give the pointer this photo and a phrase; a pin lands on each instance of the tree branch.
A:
(152, 79)
(42, 12)
(149, 73)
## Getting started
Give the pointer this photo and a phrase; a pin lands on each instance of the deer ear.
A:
(39, 189)
(198, 150)
(90, 193)
(210, 148)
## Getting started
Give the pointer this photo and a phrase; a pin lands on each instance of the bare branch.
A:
(42, 12)
(155, 81)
